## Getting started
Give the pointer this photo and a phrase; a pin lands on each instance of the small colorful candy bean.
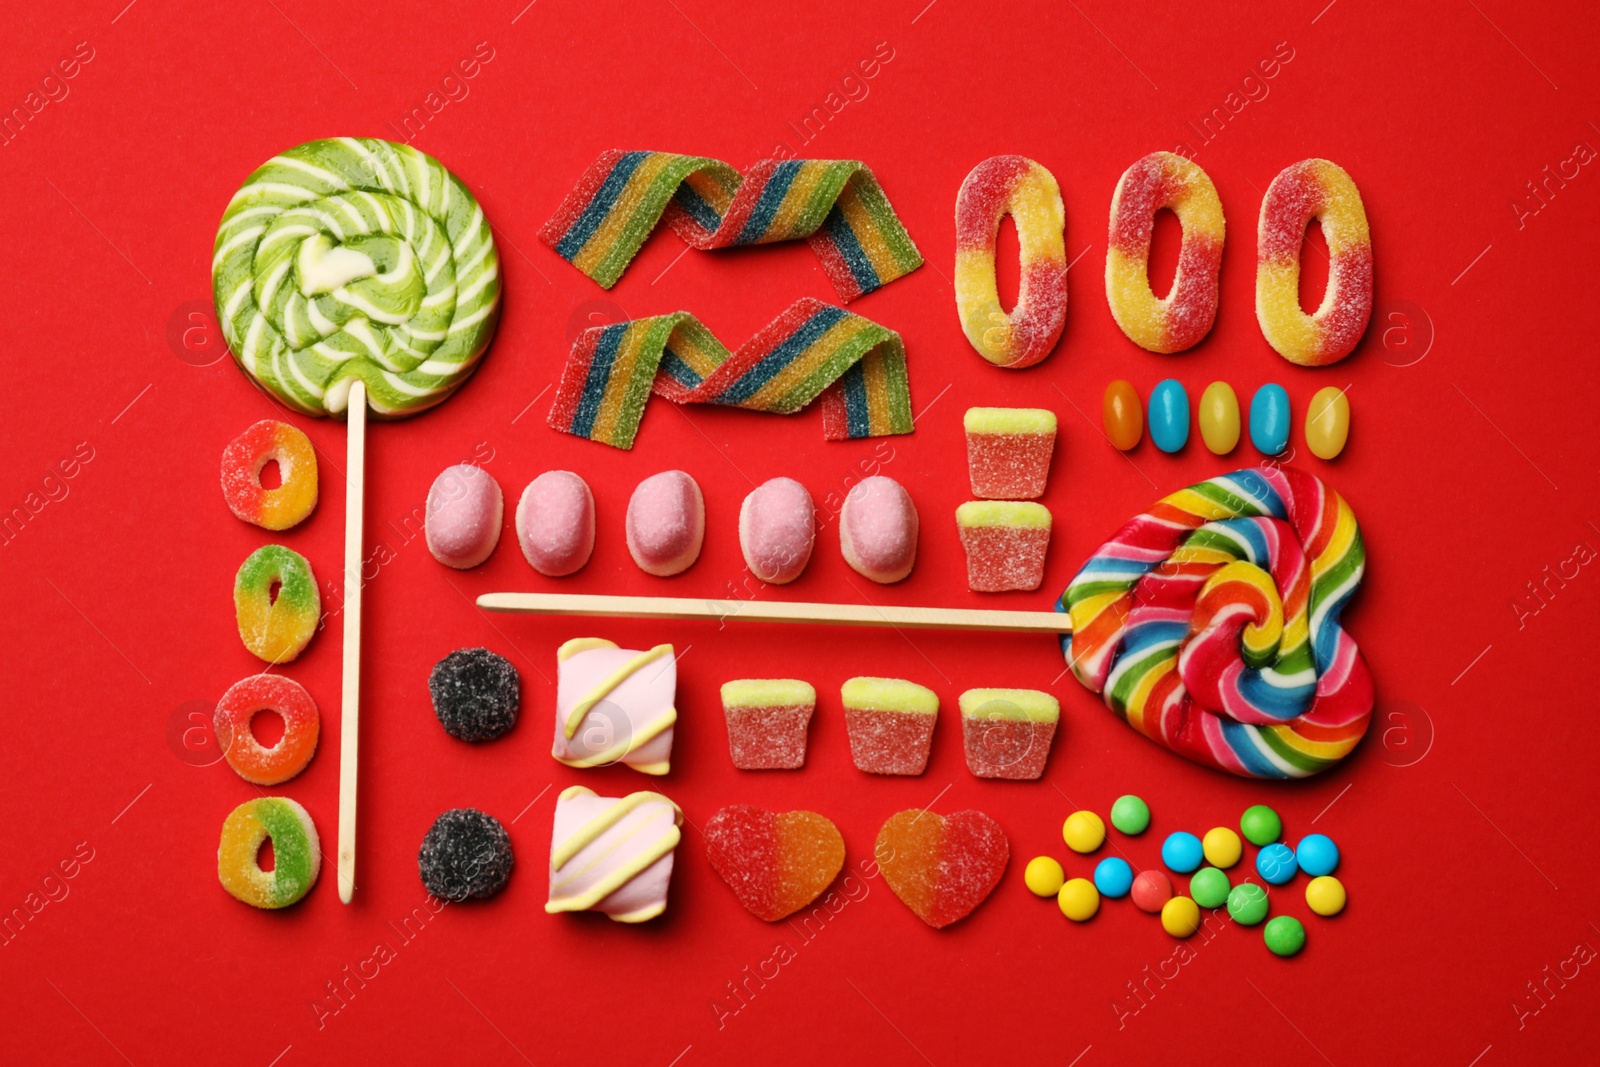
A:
(1130, 814)
(1269, 419)
(1219, 418)
(1317, 855)
(1121, 415)
(1276, 863)
(1151, 890)
(1247, 903)
(1182, 852)
(1284, 935)
(1113, 877)
(1044, 876)
(1325, 895)
(1209, 887)
(1180, 917)
(1084, 831)
(1079, 900)
(1260, 825)
(1169, 415)
(1222, 847)
(1327, 422)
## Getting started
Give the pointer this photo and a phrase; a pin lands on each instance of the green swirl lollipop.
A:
(353, 273)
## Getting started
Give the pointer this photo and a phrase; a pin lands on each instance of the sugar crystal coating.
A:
(890, 723)
(466, 855)
(777, 529)
(1009, 451)
(1183, 317)
(464, 511)
(666, 523)
(295, 496)
(941, 866)
(1016, 186)
(477, 694)
(287, 699)
(296, 852)
(878, 529)
(555, 523)
(767, 722)
(1005, 544)
(775, 862)
(276, 603)
(1313, 188)
(1007, 732)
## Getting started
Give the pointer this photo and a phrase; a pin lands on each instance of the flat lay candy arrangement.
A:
(703, 533)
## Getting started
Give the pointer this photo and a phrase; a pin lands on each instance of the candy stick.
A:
(658, 607)
(350, 714)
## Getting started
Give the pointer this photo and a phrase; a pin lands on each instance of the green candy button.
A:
(1284, 935)
(1130, 814)
(1209, 887)
(1260, 825)
(1247, 903)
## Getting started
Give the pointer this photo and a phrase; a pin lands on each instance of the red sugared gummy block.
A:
(767, 722)
(890, 723)
(1005, 544)
(1007, 732)
(1009, 451)
(776, 862)
(942, 866)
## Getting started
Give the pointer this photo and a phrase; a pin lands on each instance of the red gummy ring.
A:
(301, 724)
(287, 504)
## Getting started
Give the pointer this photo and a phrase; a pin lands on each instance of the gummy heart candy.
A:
(942, 866)
(776, 862)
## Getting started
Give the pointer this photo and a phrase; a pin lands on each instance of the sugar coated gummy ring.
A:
(296, 852)
(356, 258)
(1183, 317)
(301, 724)
(1021, 188)
(276, 624)
(1210, 624)
(1313, 188)
(295, 497)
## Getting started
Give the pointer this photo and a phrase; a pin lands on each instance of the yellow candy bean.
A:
(1219, 418)
(1327, 422)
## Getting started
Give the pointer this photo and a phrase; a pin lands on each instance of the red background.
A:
(1466, 818)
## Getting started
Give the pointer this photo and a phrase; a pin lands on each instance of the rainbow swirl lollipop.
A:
(1210, 624)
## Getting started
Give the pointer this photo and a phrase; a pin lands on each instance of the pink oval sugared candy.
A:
(777, 529)
(464, 513)
(878, 529)
(666, 523)
(555, 523)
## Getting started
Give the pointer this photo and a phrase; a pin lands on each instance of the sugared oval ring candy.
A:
(1181, 318)
(289, 700)
(1210, 624)
(1313, 188)
(294, 498)
(276, 626)
(296, 852)
(1021, 188)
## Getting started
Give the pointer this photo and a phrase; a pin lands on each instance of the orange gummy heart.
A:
(942, 866)
(776, 862)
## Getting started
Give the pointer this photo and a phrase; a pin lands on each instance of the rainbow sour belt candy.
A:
(356, 258)
(836, 204)
(1183, 317)
(813, 348)
(1021, 188)
(1313, 188)
(1210, 624)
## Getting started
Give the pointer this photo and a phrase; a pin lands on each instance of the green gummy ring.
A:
(276, 563)
(410, 296)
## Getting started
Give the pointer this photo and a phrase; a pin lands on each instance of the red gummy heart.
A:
(942, 866)
(776, 862)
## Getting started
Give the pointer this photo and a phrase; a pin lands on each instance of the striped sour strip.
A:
(835, 204)
(356, 258)
(813, 349)
(1210, 624)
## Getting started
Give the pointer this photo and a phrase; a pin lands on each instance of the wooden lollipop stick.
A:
(659, 607)
(350, 715)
